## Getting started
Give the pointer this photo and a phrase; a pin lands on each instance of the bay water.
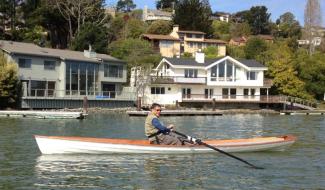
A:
(301, 166)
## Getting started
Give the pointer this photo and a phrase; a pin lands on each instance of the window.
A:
(214, 71)
(24, 63)
(166, 44)
(115, 71)
(251, 75)
(49, 65)
(229, 70)
(157, 90)
(222, 69)
(190, 73)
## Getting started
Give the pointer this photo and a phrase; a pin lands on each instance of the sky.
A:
(275, 7)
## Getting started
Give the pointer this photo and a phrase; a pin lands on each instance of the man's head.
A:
(156, 109)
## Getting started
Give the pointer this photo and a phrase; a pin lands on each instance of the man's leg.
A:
(169, 139)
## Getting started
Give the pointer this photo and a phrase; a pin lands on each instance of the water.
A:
(302, 166)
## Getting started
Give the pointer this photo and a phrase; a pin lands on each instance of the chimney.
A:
(89, 53)
(199, 56)
(175, 28)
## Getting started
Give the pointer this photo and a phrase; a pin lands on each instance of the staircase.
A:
(299, 103)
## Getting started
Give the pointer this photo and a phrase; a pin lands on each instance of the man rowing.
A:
(156, 132)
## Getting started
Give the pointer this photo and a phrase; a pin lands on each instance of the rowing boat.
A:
(89, 145)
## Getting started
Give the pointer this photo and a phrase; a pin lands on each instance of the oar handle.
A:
(198, 141)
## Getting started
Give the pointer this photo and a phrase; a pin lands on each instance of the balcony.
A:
(177, 80)
(78, 94)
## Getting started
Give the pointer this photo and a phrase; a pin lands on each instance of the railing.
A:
(259, 98)
(252, 98)
(172, 80)
(47, 93)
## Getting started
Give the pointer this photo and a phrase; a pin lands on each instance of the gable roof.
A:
(34, 50)
(251, 63)
(208, 63)
(191, 61)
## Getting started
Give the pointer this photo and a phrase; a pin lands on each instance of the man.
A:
(158, 133)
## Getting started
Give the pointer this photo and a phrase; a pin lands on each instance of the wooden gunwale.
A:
(217, 143)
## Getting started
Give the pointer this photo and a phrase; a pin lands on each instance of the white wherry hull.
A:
(73, 145)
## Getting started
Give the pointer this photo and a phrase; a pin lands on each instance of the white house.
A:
(222, 79)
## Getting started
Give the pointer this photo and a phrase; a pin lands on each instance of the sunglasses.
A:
(158, 109)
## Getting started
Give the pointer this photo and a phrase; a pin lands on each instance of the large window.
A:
(157, 90)
(24, 63)
(190, 73)
(81, 78)
(49, 65)
(222, 70)
(229, 71)
(115, 71)
(214, 73)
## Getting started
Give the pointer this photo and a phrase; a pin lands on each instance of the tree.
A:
(211, 52)
(165, 4)
(193, 15)
(160, 27)
(311, 69)
(240, 29)
(288, 26)
(136, 52)
(79, 12)
(115, 31)
(125, 5)
(9, 83)
(280, 62)
(236, 52)
(56, 26)
(91, 34)
(254, 47)
(221, 30)
(259, 19)
(134, 28)
(313, 20)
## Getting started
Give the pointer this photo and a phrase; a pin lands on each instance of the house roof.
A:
(208, 62)
(190, 32)
(251, 63)
(191, 61)
(239, 39)
(159, 37)
(34, 50)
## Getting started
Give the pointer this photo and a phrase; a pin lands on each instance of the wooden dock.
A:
(43, 114)
(303, 112)
(177, 113)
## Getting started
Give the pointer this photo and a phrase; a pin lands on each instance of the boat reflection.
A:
(112, 171)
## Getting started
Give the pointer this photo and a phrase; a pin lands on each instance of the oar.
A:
(198, 141)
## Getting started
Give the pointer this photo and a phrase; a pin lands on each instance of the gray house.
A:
(55, 73)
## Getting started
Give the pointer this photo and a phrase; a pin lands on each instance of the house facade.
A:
(222, 79)
(179, 42)
(153, 15)
(54, 73)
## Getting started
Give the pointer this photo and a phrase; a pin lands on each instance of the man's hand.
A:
(171, 127)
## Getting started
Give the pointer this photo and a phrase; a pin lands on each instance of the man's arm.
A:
(156, 123)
